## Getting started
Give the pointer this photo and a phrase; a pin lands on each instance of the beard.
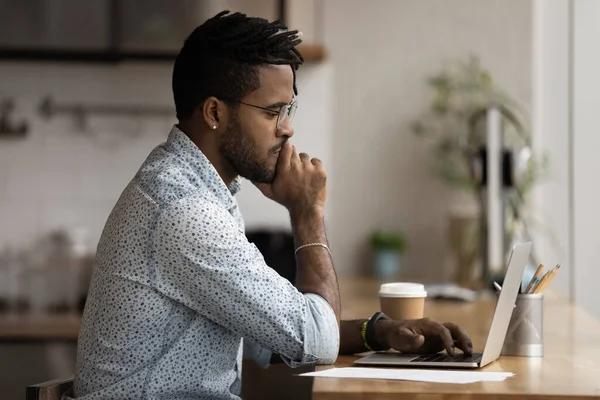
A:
(242, 153)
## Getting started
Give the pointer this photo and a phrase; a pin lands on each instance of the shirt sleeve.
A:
(203, 260)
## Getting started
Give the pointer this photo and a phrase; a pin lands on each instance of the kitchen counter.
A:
(44, 327)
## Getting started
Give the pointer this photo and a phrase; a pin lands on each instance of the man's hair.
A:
(220, 58)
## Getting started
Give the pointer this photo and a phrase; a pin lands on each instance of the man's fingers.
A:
(304, 158)
(462, 338)
(285, 155)
(316, 162)
(446, 337)
(444, 334)
(294, 153)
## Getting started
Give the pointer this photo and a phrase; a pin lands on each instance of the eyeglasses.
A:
(286, 112)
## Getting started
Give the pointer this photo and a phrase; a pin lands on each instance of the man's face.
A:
(252, 140)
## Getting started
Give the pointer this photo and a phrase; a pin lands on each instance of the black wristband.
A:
(370, 334)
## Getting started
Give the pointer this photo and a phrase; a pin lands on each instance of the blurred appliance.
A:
(277, 248)
(499, 163)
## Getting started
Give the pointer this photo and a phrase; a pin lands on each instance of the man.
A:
(177, 288)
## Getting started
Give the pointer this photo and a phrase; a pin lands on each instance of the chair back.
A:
(50, 390)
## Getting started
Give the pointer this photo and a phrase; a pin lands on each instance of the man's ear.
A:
(213, 112)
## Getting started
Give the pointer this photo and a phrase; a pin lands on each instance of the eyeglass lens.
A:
(286, 112)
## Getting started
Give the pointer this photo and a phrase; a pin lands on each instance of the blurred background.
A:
(390, 98)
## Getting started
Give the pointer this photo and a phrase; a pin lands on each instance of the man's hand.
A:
(299, 183)
(422, 336)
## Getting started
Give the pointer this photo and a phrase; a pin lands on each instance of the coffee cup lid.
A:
(402, 289)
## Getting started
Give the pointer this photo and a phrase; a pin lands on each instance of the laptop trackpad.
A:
(401, 357)
(387, 358)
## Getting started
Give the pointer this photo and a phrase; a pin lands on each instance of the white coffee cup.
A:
(402, 300)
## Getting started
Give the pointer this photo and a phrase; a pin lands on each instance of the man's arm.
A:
(300, 186)
(315, 272)
(203, 260)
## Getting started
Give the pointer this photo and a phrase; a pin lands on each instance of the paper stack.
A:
(421, 375)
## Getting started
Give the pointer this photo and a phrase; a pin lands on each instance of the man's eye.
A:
(272, 115)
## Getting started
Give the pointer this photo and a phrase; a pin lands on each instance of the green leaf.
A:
(381, 240)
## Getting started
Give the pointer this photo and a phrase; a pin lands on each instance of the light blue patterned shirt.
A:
(177, 290)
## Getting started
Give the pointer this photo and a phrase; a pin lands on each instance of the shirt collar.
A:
(180, 144)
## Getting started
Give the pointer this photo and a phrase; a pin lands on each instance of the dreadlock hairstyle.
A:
(220, 58)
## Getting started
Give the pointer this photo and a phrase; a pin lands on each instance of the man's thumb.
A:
(406, 340)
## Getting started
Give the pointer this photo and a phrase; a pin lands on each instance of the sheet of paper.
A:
(421, 375)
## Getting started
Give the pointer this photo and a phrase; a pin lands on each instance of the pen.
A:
(498, 287)
(532, 285)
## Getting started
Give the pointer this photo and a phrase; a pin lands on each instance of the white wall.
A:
(566, 98)
(59, 176)
(586, 145)
(383, 51)
(552, 201)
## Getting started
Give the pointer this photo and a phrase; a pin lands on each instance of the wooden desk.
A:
(570, 368)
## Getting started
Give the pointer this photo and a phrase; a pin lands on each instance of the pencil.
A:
(538, 273)
(541, 282)
(542, 286)
(546, 280)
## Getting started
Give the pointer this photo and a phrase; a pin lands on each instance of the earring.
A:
(214, 127)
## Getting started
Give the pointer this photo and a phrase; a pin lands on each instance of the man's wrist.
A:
(306, 213)
(381, 332)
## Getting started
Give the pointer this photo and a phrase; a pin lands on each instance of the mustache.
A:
(278, 147)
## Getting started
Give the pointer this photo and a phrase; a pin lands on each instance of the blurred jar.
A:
(12, 293)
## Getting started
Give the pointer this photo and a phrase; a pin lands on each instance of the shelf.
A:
(80, 56)
(46, 327)
(310, 52)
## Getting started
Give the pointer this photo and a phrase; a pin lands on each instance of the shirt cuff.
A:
(321, 335)
(261, 355)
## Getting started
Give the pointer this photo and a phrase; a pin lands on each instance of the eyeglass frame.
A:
(293, 103)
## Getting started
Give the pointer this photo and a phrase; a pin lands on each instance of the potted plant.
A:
(387, 248)
(448, 125)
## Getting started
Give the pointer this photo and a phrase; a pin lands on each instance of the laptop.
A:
(495, 340)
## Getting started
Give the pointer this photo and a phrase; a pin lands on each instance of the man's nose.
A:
(285, 128)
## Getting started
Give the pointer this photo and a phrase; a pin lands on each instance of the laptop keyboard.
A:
(443, 357)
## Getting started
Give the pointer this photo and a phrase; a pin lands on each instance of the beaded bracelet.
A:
(363, 334)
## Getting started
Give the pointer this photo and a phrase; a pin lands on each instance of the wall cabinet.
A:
(109, 30)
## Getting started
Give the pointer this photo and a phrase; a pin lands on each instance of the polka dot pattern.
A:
(177, 290)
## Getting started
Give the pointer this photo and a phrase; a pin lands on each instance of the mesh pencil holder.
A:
(525, 334)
